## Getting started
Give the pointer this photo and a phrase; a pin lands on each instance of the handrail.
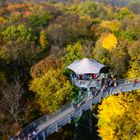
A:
(53, 127)
(29, 128)
(45, 118)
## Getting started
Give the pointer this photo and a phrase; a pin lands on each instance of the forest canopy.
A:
(39, 39)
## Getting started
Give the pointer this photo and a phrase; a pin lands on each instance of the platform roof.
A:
(85, 65)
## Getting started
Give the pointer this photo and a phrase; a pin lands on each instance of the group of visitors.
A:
(21, 136)
(84, 76)
(108, 82)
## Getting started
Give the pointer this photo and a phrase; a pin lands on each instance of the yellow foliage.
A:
(86, 18)
(101, 54)
(52, 90)
(2, 20)
(112, 26)
(124, 12)
(119, 117)
(42, 40)
(133, 71)
(109, 41)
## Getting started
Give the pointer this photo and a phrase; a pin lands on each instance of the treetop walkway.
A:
(48, 124)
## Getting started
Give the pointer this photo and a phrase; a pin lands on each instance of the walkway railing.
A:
(32, 126)
(47, 124)
(86, 83)
(127, 81)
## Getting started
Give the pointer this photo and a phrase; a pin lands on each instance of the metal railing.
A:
(32, 126)
(124, 85)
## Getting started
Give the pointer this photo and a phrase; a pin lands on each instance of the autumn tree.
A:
(108, 41)
(2, 20)
(73, 52)
(52, 90)
(11, 97)
(17, 58)
(67, 28)
(119, 117)
(119, 58)
(43, 39)
(134, 50)
(38, 40)
(18, 33)
(112, 26)
(39, 18)
(124, 12)
(89, 8)
(11, 106)
(119, 61)
(134, 70)
(101, 54)
(40, 68)
(134, 63)
(134, 7)
(130, 28)
(104, 46)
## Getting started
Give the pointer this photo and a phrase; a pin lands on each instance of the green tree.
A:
(39, 18)
(129, 34)
(18, 33)
(73, 52)
(89, 8)
(124, 12)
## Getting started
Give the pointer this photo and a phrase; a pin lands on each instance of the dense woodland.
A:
(37, 42)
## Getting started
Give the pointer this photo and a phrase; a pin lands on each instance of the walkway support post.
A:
(56, 125)
(43, 135)
(88, 90)
(100, 97)
(69, 118)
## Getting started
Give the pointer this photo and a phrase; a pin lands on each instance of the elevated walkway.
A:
(49, 124)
